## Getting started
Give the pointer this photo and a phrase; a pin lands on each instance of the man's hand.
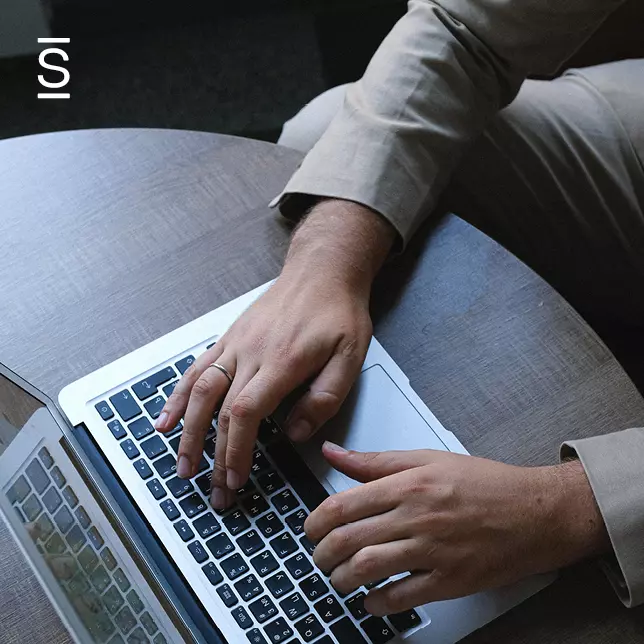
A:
(459, 524)
(312, 326)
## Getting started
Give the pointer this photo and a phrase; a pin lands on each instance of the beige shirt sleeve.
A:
(445, 69)
(614, 466)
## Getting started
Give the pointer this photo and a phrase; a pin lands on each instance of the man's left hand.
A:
(458, 524)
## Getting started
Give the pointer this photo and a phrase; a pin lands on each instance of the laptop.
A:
(129, 553)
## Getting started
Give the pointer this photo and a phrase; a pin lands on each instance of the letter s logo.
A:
(43, 63)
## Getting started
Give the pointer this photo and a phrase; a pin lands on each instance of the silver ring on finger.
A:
(223, 370)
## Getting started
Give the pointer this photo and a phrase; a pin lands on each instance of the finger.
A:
(206, 396)
(374, 563)
(177, 403)
(220, 473)
(349, 506)
(409, 592)
(325, 395)
(258, 399)
(343, 542)
(369, 466)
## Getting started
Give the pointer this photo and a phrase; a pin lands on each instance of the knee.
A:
(309, 124)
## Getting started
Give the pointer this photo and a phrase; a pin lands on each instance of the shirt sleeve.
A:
(614, 464)
(437, 79)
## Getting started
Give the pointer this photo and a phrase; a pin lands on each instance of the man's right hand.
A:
(312, 325)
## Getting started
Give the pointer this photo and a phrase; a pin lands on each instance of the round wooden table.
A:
(111, 238)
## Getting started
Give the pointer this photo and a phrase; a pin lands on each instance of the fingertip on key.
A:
(162, 421)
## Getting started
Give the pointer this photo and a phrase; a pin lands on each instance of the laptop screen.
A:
(73, 549)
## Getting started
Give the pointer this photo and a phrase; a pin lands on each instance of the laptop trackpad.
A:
(376, 417)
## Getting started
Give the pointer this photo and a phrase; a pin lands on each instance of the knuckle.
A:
(243, 408)
(332, 509)
(190, 373)
(364, 562)
(338, 540)
(326, 403)
(202, 388)
(223, 420)
(235, 455)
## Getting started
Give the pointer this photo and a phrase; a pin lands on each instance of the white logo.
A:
(51, 51)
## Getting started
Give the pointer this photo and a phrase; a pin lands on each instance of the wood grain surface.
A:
(112, 238)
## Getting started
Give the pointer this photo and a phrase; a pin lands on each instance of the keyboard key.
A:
(104, 410)
(148, 623)
(58, 477)
(285, 502)
(212, 573)
(204, 483)
(141, 428)
(297, 473)
(55, 545)
(121, 580)
(19, 491)
(329, 608)
(279, 584)
(130, 449)
(268, 431)
(236, 522)
(294, 606)
(125, 405)
(45, 457)
(260, 463)
(88, 559)
(198, 552)
(179, 487)
(263, 609)
(278, 631)
(234, 566)
(113, 600)
(118, 431)
(108, 559)
(157, 490)
(32, 507)
(373, 584)
(125, 620)
(405, 621)
(135, 602)
(209, 446)
(242, 618)
(264, 563)
(206, 525)
(170, 509)
(44, 527)
(137, 636)
(177, 428)
(142, 467)
(96, 538)
(309, 628)
(83, 517)
(63, 519)
(255, 504)
(346, 633)
(270, 525)
(203, 466)
(283, 545)
(154, 447)
(270, 482)
(255, 636)
(248, 487)
(52, 499)
(356, 607)
(184, 364)
(166, 466)
(154, 406)
(248, 588)
(220, 545)
(307, 544)
(184, 530)
(250, 543)
(174, 443)
(169, 389)
(299, 565)
(193, 505)
(227, 595)
(100, 579)
(378, 631)
(37, 475)
(296, 521)
(70, 496)
(150, 385)
(76, 538)
(314, 587)
(159, 638)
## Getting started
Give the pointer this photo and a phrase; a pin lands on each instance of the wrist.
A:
(341, 241)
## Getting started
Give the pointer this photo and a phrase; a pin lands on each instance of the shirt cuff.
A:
(614, 464)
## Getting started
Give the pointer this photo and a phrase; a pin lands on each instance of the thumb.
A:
(368, 466)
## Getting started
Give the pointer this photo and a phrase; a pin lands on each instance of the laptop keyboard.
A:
(90, 573)
(254, 554)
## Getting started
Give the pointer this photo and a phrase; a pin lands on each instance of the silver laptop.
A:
(128, 552)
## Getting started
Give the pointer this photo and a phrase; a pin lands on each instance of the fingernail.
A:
(233, 480)
(332, 447)
(218, 498)
(300, 430)
(161, 420)
(184, 467)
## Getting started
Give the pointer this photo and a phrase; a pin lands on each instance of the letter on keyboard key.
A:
(234, 566)
(264, 563)
(248, 588)
(154, 406)
(377, 630)
(279, 584)
(204, 483)
(296, 521)
(250, 543)
(141, 428)
(220, 546)
(270, 482)
(255, 504)
(165, 466)
(70, 497)
(285, 502)
(283, 545)
(154, 447)
(270, 524)
(193, 505)
(130, 449)
(263, 609)
(356, 607)
(157, 490)
(299, 565)
(294, 606)
(179, 487)
(19, 491)
(314, 587)
(125, 405)
(58, 477)
(405, 621)
(236, 522)
(104, 410)
(37, 475)
(278, 631)
(329, 609)
(52, 499)
(346, 633)
(309, 628)
(207, 525)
